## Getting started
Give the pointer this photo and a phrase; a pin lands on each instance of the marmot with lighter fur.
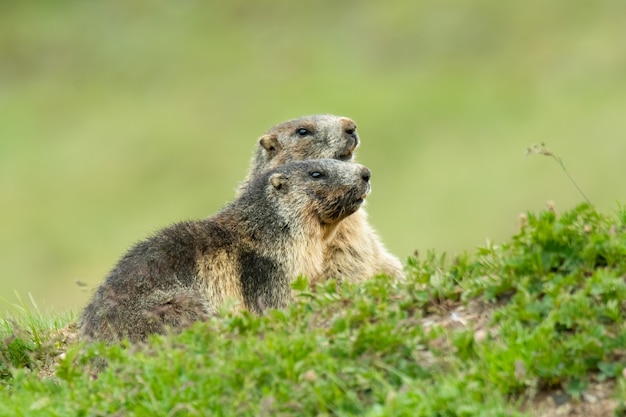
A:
(356, 252)
(249, 253)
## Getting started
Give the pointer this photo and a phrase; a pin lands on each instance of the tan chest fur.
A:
(219, 280)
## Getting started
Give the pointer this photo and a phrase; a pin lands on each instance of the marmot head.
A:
(324, 190)
(309, 137)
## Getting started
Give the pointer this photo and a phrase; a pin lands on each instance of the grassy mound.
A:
(485, 334)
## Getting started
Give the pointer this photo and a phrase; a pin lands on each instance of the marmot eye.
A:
(316, 174)
(303, 132)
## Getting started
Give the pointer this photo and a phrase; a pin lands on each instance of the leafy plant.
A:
(553, 294)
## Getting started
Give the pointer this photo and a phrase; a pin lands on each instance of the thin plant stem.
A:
(542, 150)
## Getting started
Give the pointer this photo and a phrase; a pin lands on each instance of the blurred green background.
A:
(120, 117)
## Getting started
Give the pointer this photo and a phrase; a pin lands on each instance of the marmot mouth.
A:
(361, 199)
(345, 157)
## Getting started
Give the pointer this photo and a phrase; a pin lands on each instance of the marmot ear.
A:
(269, 142)
(278, 180)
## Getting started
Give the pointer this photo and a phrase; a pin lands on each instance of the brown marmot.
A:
(356, 252)
(249, 253)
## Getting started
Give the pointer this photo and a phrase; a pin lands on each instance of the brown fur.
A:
(356, 252)
(248, 253)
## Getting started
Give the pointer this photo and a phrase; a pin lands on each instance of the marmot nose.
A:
(349, 127)
(366, 174)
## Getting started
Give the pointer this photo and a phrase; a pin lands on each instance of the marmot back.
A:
(248, 253)
(356, 252)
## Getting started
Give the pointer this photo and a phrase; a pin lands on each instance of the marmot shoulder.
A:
(248, 253)
(356, 252)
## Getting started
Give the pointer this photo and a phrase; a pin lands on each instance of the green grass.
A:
(553, 294)
(30, 339)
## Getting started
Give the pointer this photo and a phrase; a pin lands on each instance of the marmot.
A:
(249, 252)
(356, 252)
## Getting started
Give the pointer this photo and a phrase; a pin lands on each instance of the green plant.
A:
(29, 339)
(553, 295)
(542, 150)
